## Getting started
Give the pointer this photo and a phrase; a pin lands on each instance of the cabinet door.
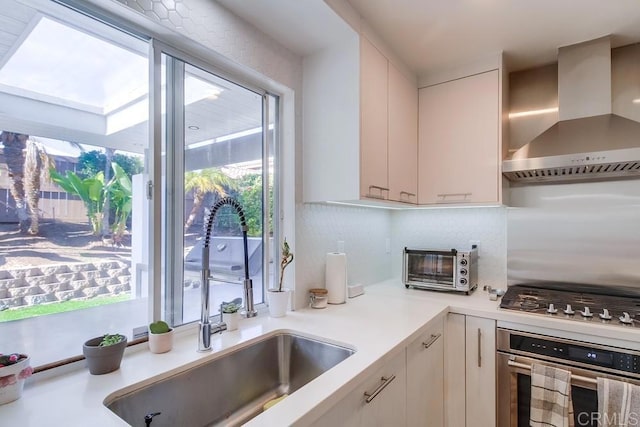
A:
(458, 148)
(454, 366)
(481, 371)
(403, 138)
(374, 181)
(386, 408)
(425, 379)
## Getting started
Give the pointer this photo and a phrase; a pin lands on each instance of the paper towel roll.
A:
(336, 277)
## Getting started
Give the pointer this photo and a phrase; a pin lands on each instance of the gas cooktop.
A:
(586, 303)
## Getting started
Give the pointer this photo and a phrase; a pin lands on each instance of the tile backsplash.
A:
(448, 228)
(320, 227)
(364, 232)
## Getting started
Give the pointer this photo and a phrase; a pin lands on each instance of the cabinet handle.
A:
(433, 339)
(385, 382)
(376, 196)
(408, 194)
(479, 348)
(454, 197)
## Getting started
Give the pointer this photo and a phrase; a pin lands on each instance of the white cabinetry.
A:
(470, 370)
(360, 126)
(403, 138)
(425, 379)
(374, 123)
(459, 142)
(380, 400)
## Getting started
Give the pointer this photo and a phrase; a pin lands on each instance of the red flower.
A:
(25, 373)
(8, 380)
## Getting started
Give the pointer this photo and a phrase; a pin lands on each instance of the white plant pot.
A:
(161, 343)
(12, 380)
(231, 319)
(278, 302)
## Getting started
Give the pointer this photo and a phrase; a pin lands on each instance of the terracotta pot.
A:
(278, 302)
(102, 360)
(12, 380)
(161, 343)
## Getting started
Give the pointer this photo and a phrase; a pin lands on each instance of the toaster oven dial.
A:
(463, 262)
(463, 281)
(463, 271)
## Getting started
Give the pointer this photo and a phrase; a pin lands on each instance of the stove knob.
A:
(586, 312)
(552, 309)
(626, 319)
(605, 315)
(569, 310)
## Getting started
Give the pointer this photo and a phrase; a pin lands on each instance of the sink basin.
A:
(230, 389)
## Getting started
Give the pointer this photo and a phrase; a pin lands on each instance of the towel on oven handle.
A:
(550, 397)
(618, 403)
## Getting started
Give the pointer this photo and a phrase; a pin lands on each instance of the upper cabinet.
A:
(460, 147)
(388, 129)
(360, 126)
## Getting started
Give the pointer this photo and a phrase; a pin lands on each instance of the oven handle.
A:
(573, 377)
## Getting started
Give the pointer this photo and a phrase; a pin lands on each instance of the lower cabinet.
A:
(470, 369)
(445, 377)
(380, 400)
(425, 378)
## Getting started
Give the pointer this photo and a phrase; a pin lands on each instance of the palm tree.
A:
(14, 145)
(204, 181)
(36, 168)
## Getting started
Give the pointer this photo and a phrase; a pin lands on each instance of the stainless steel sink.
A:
(231, 389)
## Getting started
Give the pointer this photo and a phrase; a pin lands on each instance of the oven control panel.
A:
(616, 359)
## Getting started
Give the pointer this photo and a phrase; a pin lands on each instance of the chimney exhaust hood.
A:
(588, 142)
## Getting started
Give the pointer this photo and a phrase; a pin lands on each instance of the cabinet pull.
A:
(377, 196)
(479, 348)
(433, 339)
(385, 382)
(454, 197)
(407, 194)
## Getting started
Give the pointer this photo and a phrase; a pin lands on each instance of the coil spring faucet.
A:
(205, 330)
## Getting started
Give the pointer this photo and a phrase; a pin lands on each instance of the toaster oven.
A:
(441, 270)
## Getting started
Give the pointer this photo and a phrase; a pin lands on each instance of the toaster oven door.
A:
(426, 267)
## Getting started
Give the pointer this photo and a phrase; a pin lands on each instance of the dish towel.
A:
(618, 403)
(550, 397)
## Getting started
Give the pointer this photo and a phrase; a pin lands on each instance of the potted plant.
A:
(14, 369)
(104, 353)
(230, 315)
(278, 299)
(160, 337)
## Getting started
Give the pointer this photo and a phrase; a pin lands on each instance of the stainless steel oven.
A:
(518, 350)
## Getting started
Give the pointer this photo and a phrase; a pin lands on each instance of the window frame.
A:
(161, 39)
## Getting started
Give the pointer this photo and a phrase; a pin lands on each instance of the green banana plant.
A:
(92, 191)
(121, 200)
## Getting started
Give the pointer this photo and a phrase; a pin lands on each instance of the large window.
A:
(84, 249)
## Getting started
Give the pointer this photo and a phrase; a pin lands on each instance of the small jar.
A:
(318, 297)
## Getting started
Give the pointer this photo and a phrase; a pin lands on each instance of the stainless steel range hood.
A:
(588, 142)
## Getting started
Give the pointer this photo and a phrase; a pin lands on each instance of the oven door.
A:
(514, 391)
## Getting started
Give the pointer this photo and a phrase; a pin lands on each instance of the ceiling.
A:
(436, 34)
(431, 35)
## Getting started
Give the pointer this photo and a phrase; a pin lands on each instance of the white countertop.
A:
(385, 318)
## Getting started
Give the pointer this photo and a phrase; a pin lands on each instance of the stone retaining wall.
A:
(77, 281)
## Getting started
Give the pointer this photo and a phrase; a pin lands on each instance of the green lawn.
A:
(58, 307)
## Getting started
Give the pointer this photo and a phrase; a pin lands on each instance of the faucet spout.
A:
(205, 330)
